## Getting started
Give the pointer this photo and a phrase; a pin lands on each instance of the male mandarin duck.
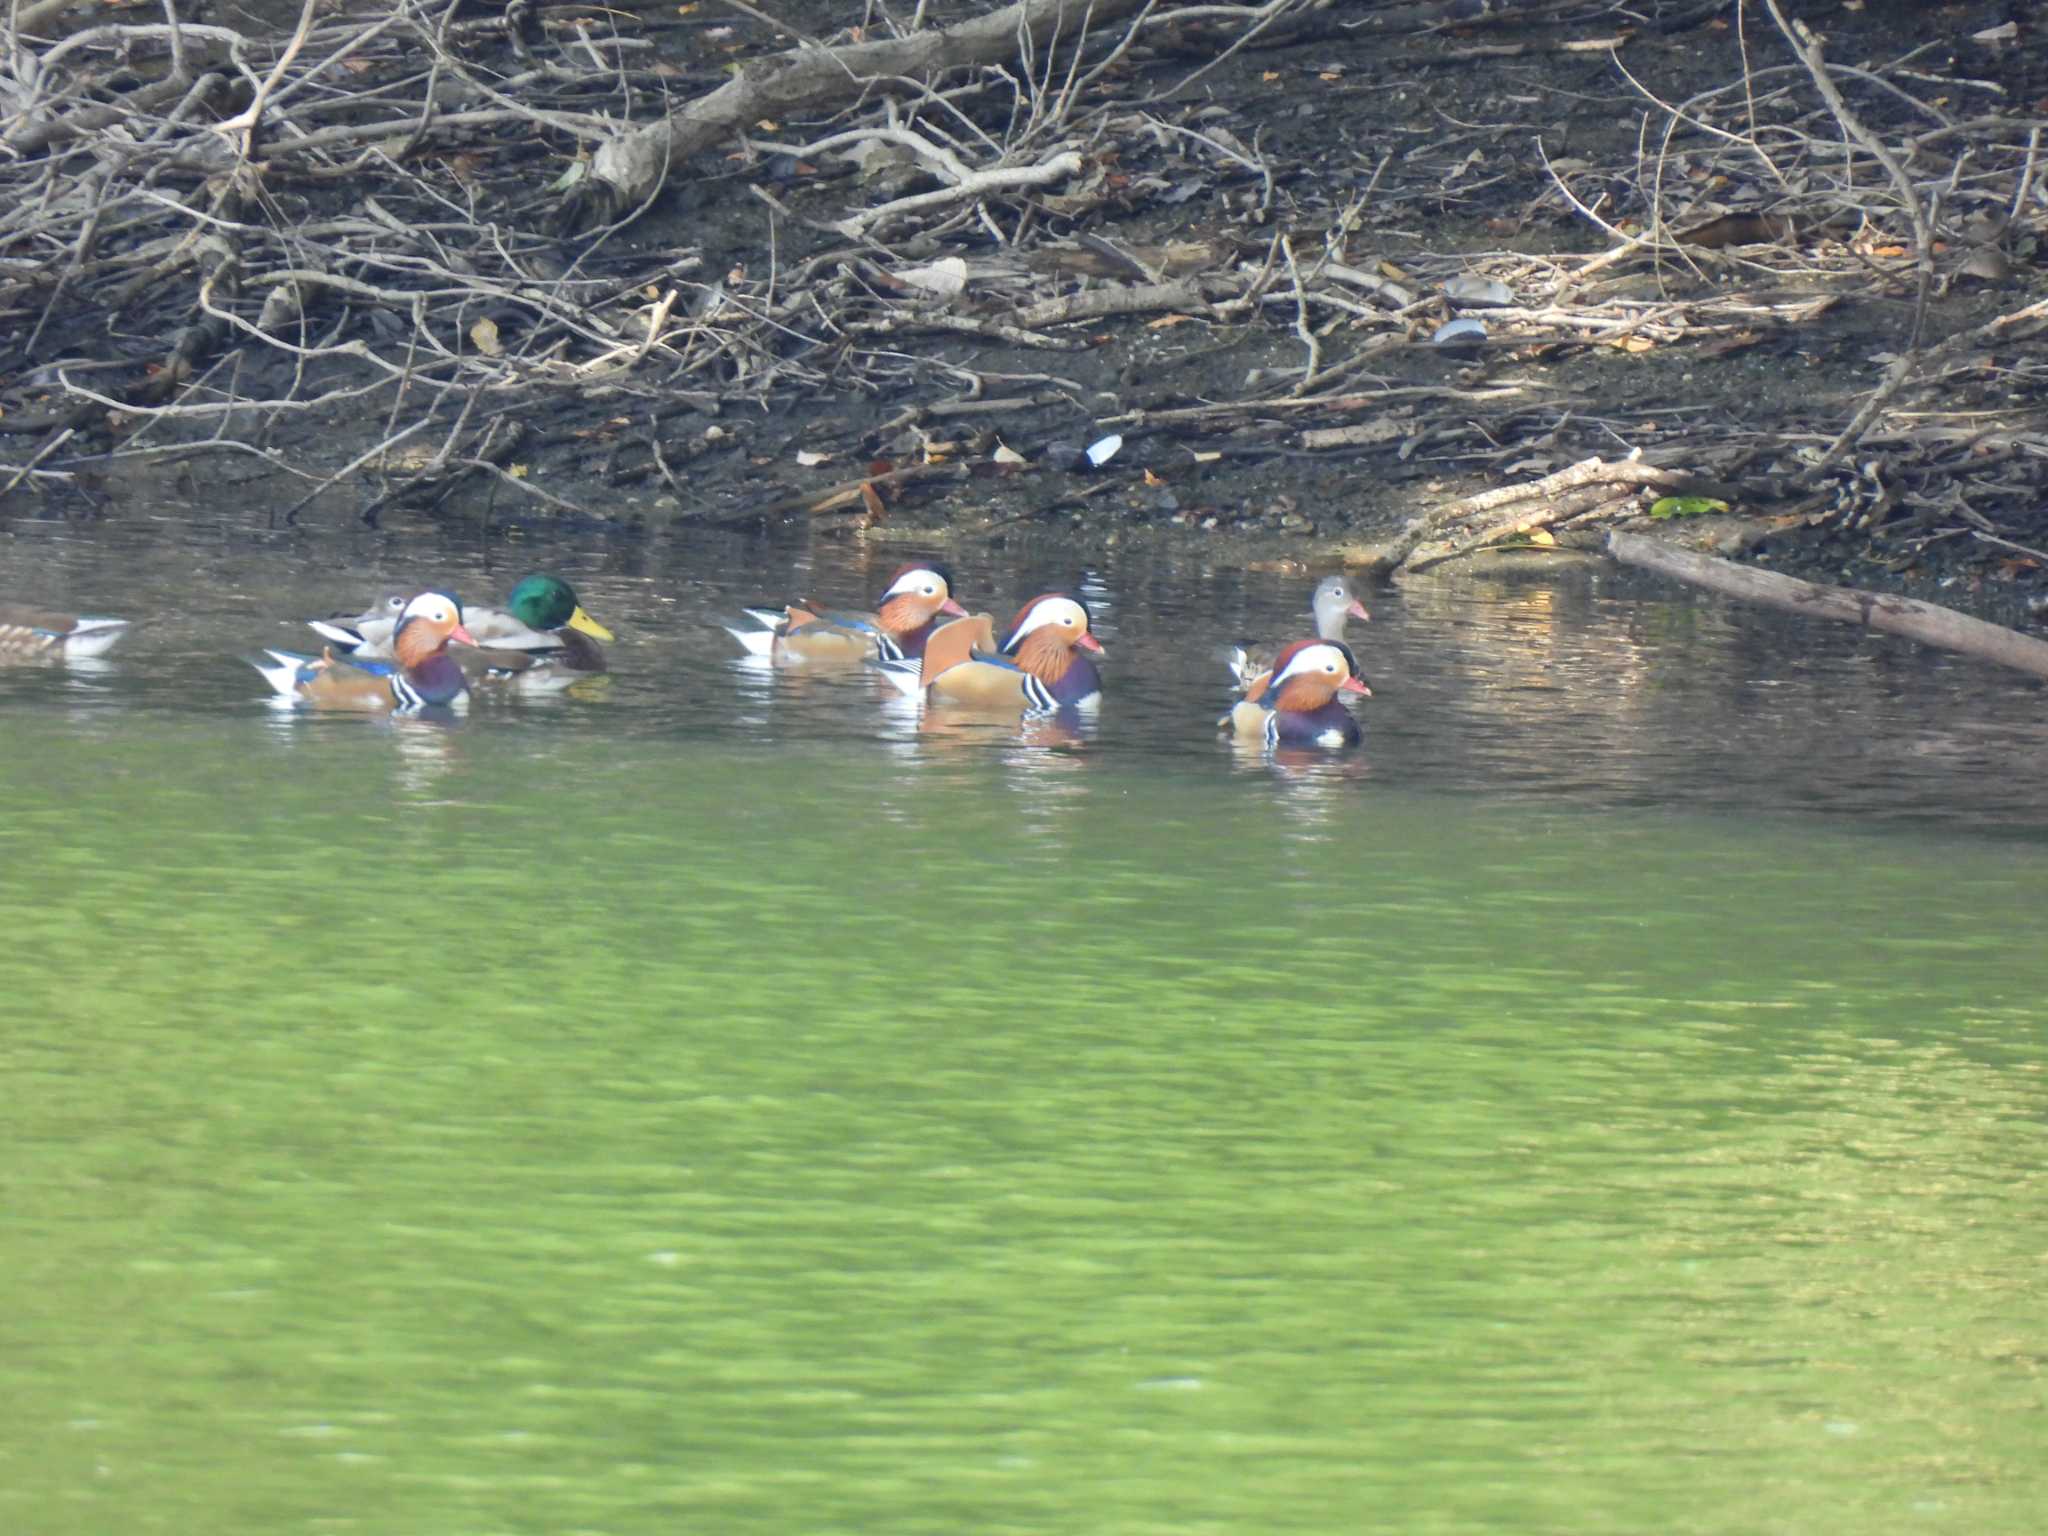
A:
(421, 672)
(898, 628)
(1037, 668)
(1298, 706)
(26, 631)
(541, 615)
(1333, 606)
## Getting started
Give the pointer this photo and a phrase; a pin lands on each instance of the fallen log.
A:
(1928, 623)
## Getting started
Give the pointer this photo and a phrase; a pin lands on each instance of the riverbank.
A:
(1234, 254)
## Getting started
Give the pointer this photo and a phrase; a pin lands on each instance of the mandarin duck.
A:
(420, 673)
(1333, 606)
(1298, 705)
(542, 615)
(897, 630)
(1037, 668)
(26, 631)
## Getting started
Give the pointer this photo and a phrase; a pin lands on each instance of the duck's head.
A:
(1054, 619)
(1310, 673)
(548, 602)
(388, 608)
(1332, 604)
(428, 623)
(915, 596)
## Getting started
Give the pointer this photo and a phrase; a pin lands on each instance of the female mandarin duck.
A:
(541, 616)
(1298, 706)
(896, 630)
(1037, 668)
(421, 672)
(28, 631)
(1333, 606)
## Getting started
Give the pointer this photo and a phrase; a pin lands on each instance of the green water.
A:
(498, 1131)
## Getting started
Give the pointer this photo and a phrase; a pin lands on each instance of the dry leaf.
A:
(767, 125)
(1270, 76)
(485, 334)
(517, 471)
(1005, 454)
(810, 460)
(1203, 456)
(1152, 479)
(1541, 536)
(1637, 344)
(1166, 322)
(873, 499)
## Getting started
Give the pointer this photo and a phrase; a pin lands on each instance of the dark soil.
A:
(1428, 143)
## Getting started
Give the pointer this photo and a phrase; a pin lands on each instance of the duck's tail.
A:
(284, 671)
(757, 642)
(340, 636)
(1239, 660)
(92, 636)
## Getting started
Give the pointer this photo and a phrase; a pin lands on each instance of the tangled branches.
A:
(491, 231)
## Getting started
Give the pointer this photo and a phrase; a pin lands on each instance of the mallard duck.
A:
(1038, 667)
(898, 628)
(1299, 705)
(542, 614)
(26, 631)
(421, 673)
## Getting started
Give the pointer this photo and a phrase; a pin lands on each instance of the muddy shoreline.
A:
(1276, 407)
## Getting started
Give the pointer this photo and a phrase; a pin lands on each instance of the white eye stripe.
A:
(1063, 611)
(922, 582)
(1315, 658)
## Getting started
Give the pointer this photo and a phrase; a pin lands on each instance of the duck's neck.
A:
(904, 615)
(1299, 695)
(1044, 655)
(415, 644)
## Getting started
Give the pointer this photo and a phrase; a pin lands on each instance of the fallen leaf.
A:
(1203, 456)
(810, 460)
(872, 498)
(1543, 536)
(517, 471)
(767, 125)
(1685, 506)
(1270, 76)
(1005, 454)
(1167, 322)
(485, 334)
(1152, 479)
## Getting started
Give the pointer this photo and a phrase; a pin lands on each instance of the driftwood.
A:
(1587, 491)
(1925, 622)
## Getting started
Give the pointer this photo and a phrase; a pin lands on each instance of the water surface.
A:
(1611, 1102)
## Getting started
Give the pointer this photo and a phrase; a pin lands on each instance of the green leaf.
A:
(1685, 506)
